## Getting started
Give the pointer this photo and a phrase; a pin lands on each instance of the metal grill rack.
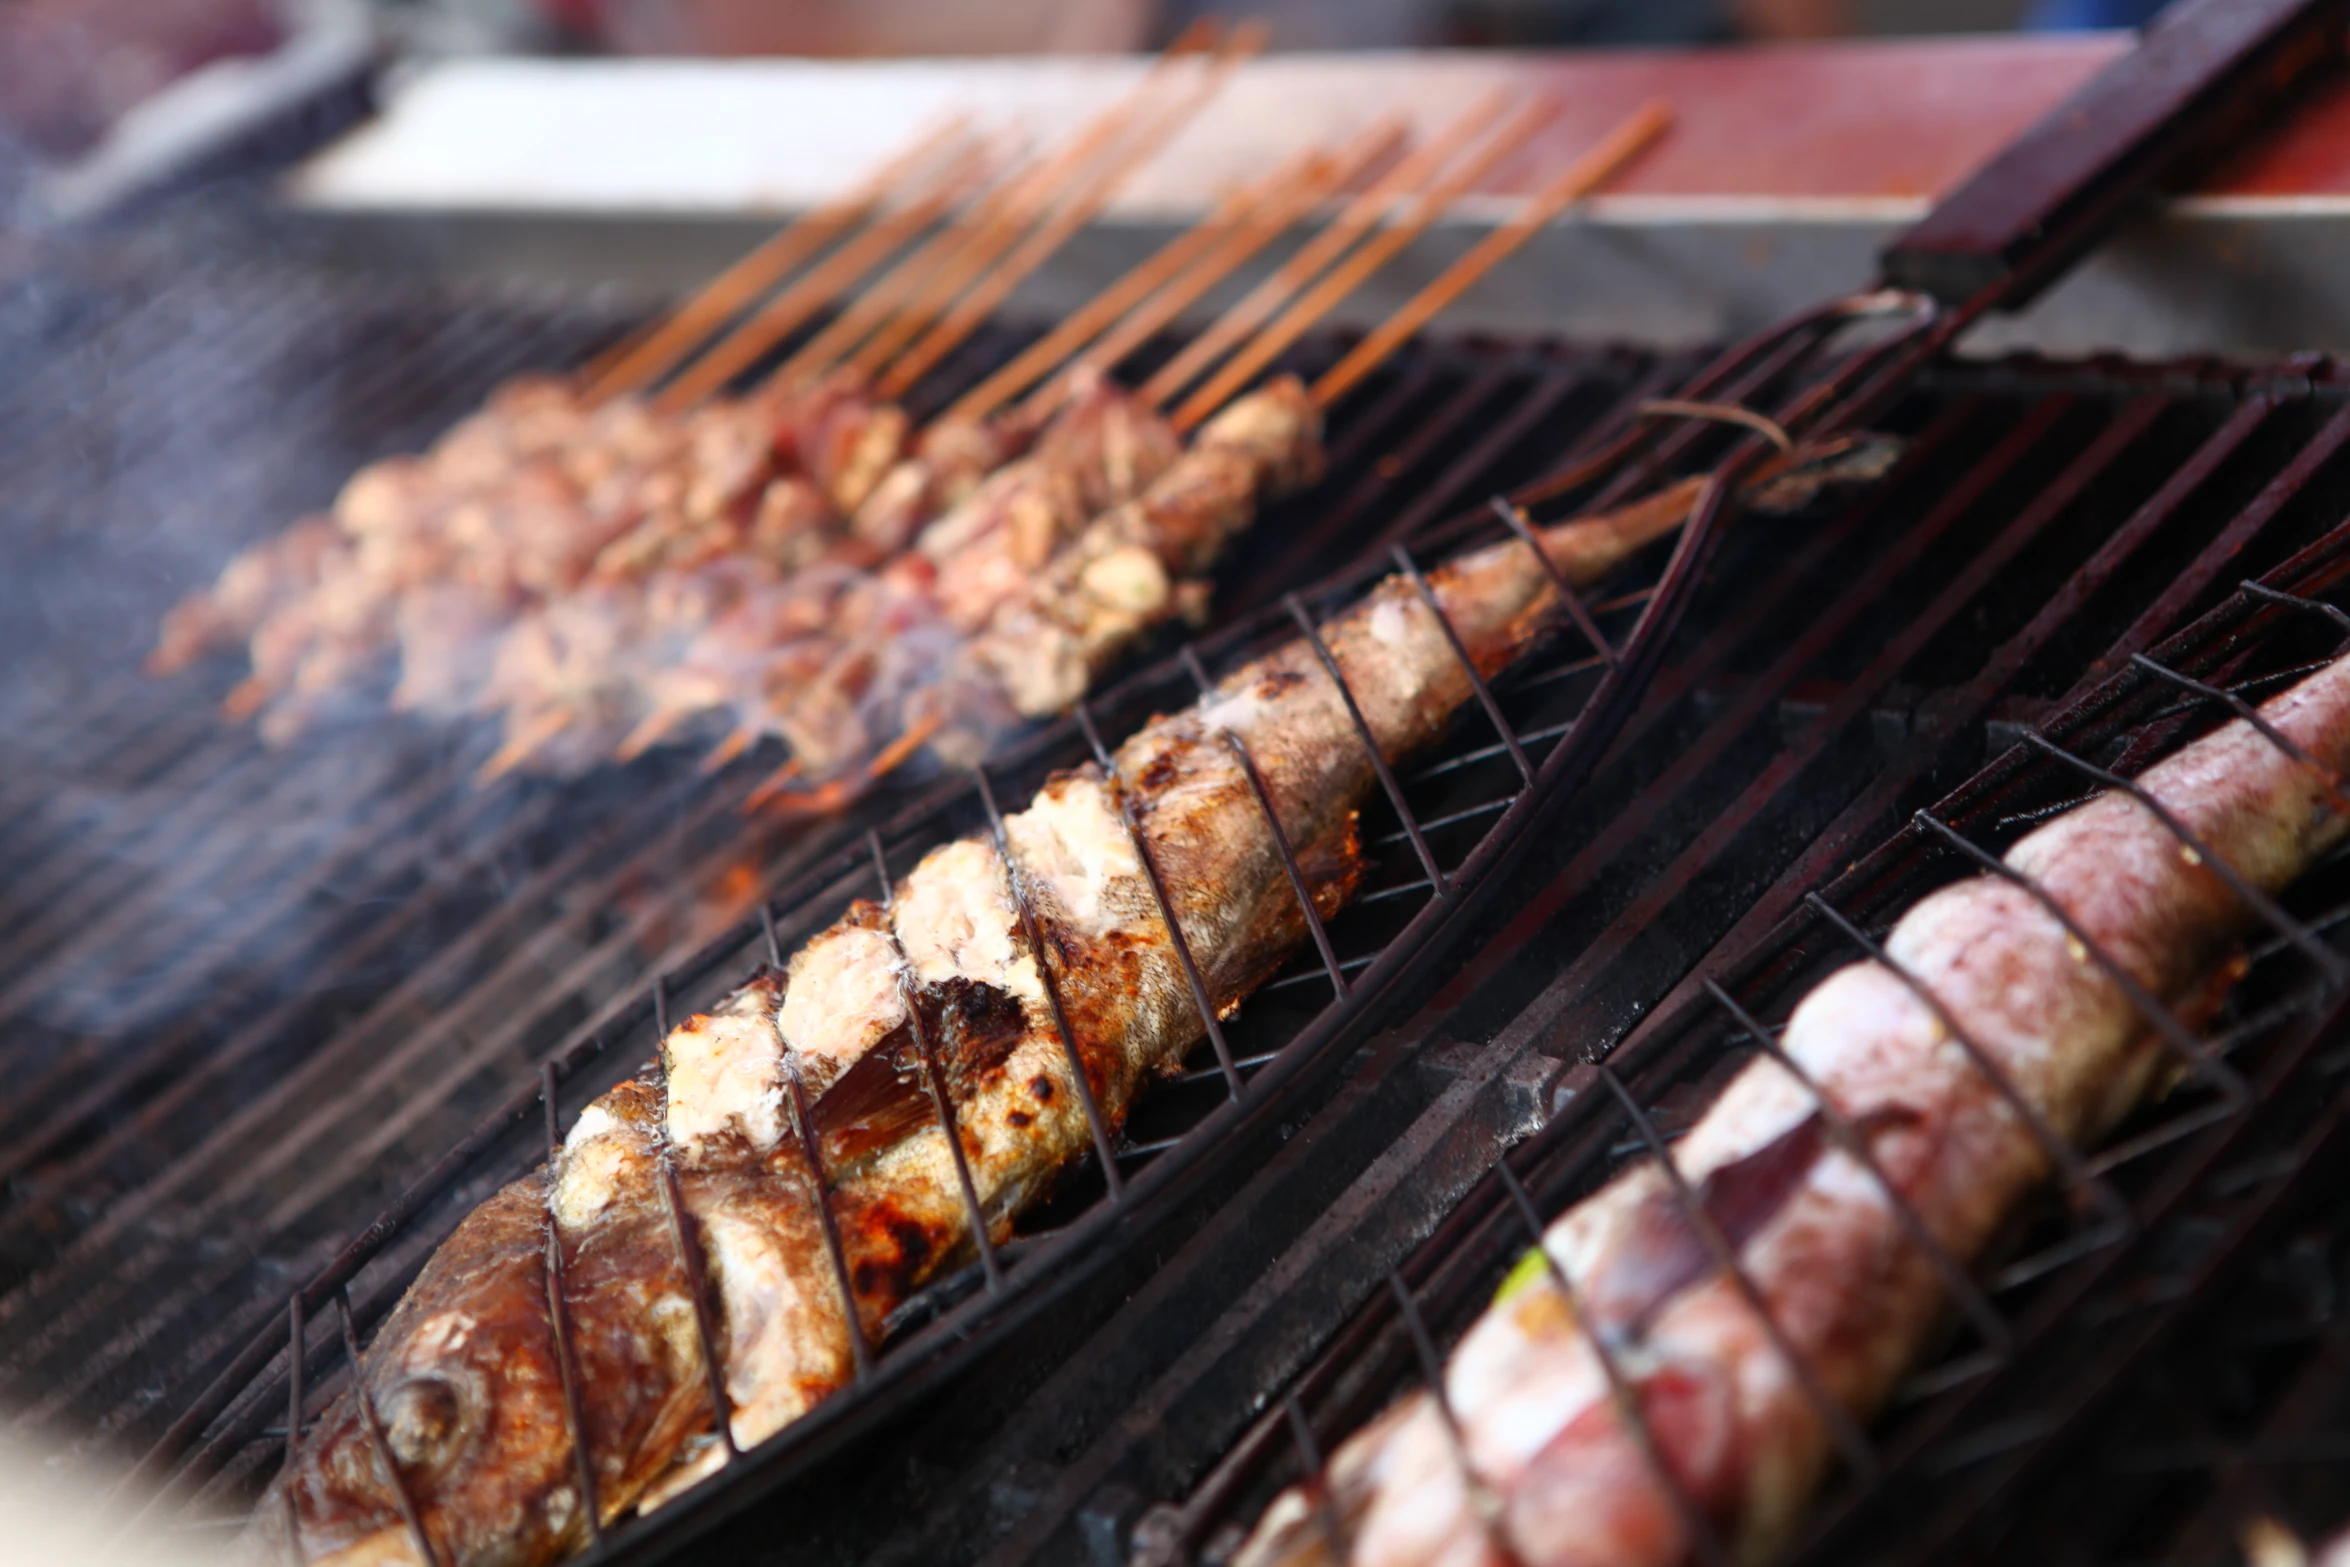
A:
(1460, 815)
(2233, 1420)
(167, 1180)
(2034, 1331)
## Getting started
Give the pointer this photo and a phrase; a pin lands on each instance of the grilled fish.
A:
(1557, 1479)
(466, 1372)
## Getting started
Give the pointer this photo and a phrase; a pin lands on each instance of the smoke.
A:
(55, 1513)
(168, 395)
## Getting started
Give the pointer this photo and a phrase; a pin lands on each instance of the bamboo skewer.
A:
(641, 361)
(1360, 263)
(980, 301)
(1595, 168)
(925, 283)
(1358, 218)
(1267, 223)
(819, 287)
(1049, 352)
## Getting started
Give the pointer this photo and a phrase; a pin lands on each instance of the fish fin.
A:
(1855, 459)
(1665, 1251)
(878, 1100)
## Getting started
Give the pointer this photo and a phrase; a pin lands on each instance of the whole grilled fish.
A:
(465, 1375)
(1553, 1476)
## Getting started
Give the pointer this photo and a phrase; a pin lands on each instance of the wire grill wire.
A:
(2209, 673)
(1545, 717)
(1525, 723)
(2238, 1424)
(513, 966)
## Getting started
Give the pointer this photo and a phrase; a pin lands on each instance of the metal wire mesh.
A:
(1443, 824)
(2015, 1315)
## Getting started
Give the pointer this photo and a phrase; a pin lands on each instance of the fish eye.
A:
(421, 1419)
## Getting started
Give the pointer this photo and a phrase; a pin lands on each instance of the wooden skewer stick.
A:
(773, 790)
(1364, 260)
(817, 288)
(1358, 218)
(923, 284)
(649, 732)
(1594, 169)
(644, 359)
(738, 740)
(1267, 224)
(522, 743)
(981, 300)
(1080, 327)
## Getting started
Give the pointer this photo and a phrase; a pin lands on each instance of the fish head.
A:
(467, 1407)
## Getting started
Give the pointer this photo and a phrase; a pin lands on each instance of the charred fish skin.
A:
(466, 1379)
(1817, 1234)
(947, 964)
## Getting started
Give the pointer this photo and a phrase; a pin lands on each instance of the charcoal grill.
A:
(1837, 670)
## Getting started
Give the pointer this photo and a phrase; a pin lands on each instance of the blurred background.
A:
(69, 69)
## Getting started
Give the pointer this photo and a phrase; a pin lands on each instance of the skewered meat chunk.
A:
(950, 459)
(250, 587)
(1046, 642)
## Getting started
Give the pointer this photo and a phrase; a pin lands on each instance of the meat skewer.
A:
(317, 647)
(1034, 637)
(967, 970)
(2011, 1017)
(868, 693)
(528, 422)
(786, 660)
(1097, 450)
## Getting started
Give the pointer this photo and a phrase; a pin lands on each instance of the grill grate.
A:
(1460, 816)
(1848, 668)
(2027, 1341)
(221, 1089)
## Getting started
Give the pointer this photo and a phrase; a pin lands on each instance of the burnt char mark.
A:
(1278, 680)
(893, 1251)
(975, 1026)
(882, 1098)
(1157, 773)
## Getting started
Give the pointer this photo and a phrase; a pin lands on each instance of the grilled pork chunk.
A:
(1851, 1293)
(1053, 633)
(463, 1373)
